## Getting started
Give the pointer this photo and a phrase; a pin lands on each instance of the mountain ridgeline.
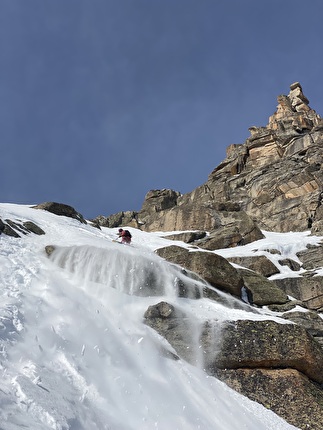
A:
(273, 181)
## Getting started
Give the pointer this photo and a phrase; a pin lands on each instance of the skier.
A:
(125, 236)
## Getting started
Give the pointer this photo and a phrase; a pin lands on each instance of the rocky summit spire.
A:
(293, 115)
(292, 119)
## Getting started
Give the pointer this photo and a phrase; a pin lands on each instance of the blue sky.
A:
(101, 100)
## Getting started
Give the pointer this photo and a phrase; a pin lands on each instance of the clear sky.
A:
(103, 100)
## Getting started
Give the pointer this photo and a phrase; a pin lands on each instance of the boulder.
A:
(61, 209)
(260, 290)
(33, 228)
(173, 325)
(259, 264)
(8, 229)
(292, 264)
(223, 237)
(162, 310)
(15, 228)
(213, 268)
(49, 249)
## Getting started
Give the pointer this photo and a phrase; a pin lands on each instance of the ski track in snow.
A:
(74, 352)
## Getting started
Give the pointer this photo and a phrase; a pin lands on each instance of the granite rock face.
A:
(276, 175)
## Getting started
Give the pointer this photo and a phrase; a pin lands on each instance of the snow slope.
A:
(74, 352)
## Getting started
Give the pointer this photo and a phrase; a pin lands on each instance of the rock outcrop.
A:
(260, 291)
(18, 228)
(61, 209)
(215, 269)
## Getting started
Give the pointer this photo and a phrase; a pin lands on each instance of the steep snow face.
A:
(74, 351)
(126, 269)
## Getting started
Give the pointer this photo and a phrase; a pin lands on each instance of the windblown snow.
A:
(74, 350)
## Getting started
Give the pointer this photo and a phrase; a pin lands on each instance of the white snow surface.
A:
(74, 350)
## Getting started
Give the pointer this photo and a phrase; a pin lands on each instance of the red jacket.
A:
(125, 238)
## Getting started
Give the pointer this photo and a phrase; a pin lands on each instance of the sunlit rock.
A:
(212, 267)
